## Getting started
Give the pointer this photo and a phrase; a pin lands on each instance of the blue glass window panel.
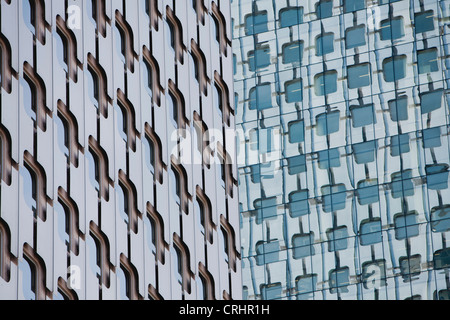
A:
(358, 76)
(333, 197)
(441, 259)
(410, 266)
(329, 159)
(298, 203)
(328, 123)
(362, 115)
(430, 101)
(380, 2)
(293, 52)
(325, 83)
(297, 131)
(370, 232)
(355, 37)
(259, 58)
(399, 109)
(266, 209)
(440, 218)
(400, 144)
(364, 152)
(324, 9)
(423, 21)
(427, 60)
(437, 176)
(297, 164)
(303, 246)
(256, 23)
(406, 226)
(294, 91)
(339, 280)
(402, 184)
(325, 44)
(338, 239)
(271, 292)
(353, 5)
(392, 29)
(255, 173)
(442, 295)
(261, 97)
(432, 138)
(305, 286)
(394, 68)
(291, 16)
(368, 192)
(267, 253)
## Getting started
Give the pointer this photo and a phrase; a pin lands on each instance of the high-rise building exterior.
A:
(343, 107)
(102, 194)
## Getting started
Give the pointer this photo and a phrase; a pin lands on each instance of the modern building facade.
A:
(101, 196)
(344, 165)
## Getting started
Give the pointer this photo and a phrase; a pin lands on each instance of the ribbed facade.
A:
(101, 198)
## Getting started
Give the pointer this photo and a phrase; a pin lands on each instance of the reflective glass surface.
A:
(355, 202)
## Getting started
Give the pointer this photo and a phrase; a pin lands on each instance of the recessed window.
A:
(324, 9)
(424, 21)
(353, 5)
(330, 158)
(291, 16)
(267, 252)
(305, 286)
(441, 259)
(148, 77)
(339, 280)
(256, 23)
(402, 184)
(293, 52)
(400, 144)
(440, 218)
(427, 60)
(370, 232)
(261, 97)
(392, 29)
(432, 138)
(406, 226)
(364, 152)
(362, 115)
(325, 83)
(325, 44)
(355, 37)
(294, 90)
(394, 68)
(327, 123)
(297, 164)
(93, 86)
(267, 209)
(358, 76)
(297, 131)
(303, 246)
(431, 101)
(272, 291)
(149, 154)
(368, 192)
(333, 197)
(171, 34)
(200, 212)
(437, 176)
(398, 109)
(259, 58)
(410, 266)
(337, 239)
(298, 203)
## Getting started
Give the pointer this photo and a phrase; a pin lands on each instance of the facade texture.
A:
(344, 173)
(95, 202)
